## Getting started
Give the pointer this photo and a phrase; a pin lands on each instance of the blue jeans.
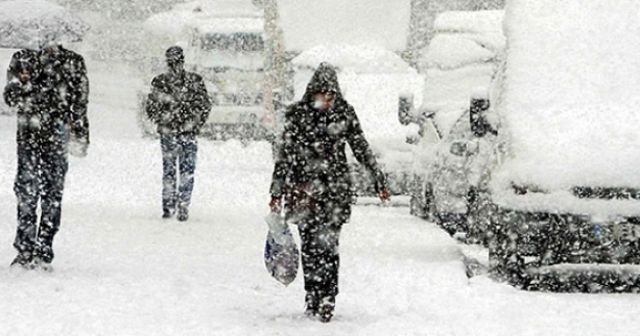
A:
(179, 154)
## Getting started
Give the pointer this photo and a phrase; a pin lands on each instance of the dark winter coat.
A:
(178, 103)
(311, 158)
(54, 99)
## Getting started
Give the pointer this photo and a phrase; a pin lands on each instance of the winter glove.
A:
(276, 204)
(385, 196)
(78, 148)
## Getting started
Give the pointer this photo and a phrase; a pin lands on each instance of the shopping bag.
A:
(281, 253)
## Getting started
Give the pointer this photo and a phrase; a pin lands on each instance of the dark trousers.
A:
(179, 154)
(320, 257)
(42, 167)
(319, 221)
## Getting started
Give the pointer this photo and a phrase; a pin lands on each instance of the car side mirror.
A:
(406, 109)
(477, 115)
(412, 139)
(463, 149)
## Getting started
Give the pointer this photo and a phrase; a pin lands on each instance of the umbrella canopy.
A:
(25, 23)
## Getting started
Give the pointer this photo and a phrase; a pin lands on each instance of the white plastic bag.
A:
(281, 253)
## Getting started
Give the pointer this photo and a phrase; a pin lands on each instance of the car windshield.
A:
(232, 64)
(234, 42)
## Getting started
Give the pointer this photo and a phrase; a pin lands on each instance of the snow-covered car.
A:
(462, 57)
(370, 77)
(565, 199)
(224, 42)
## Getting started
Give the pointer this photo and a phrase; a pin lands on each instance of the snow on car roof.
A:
(219, 16)
(362, 58)
(570, 92)
(448, 92)
(463, 37)
(478, 22)
(308, 23)
(461, 57)
(450, 51)
(221, 8)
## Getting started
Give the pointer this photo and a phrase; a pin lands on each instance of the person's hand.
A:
(78, 149)
(275, 205)
(385, 196)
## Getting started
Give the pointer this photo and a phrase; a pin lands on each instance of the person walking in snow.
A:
(179, 105)
(49, 89)
(312, 184)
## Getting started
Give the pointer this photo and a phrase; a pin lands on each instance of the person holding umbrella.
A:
(49, 89)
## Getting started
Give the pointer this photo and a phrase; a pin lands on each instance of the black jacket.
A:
(312, 155)
(56, 96)
(178, 103)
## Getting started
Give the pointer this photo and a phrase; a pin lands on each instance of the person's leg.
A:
(310, 262)
(188, 157)
(54, 166)
(332, 216)
(27, 192)
(169, 147)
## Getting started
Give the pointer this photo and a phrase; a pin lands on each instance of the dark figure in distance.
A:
(311, 176)
(179, 105)
(49, 90)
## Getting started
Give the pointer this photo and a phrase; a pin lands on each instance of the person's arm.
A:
(203, 103)
(282, 165)
(14, 89)
(79, 115)
(158, 101)
(363, 153)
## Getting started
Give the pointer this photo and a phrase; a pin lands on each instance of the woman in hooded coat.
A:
(312, 178)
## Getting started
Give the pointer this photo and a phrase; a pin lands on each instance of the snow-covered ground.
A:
(121, 270)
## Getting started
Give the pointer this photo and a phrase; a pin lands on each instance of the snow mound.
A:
(362, 58)
(22, 22)
(571, 92)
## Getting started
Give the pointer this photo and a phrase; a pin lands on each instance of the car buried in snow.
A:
(563, 205)
(454, 145)
(224, 42)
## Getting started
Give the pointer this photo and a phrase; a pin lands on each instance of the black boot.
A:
(183, 214)
(22, 260)
(311, 302)
(326, 307)
(167, 213)
(43, 258)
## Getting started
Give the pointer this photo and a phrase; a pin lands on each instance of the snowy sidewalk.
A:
(121, 270)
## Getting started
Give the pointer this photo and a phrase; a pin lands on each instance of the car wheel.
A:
(505, 260)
